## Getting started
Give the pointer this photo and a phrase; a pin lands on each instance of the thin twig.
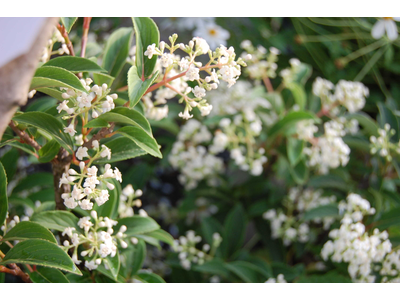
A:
(24, 136)
(86, 25)
(64, 34)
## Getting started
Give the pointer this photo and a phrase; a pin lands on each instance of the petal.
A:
(391, 30)
(378, 30)
(397, 19)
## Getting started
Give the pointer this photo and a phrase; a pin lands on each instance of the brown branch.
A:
(16, 271)
(268, 85)
(24, 136)
(64, 34)
(86, 24)
(104, 132)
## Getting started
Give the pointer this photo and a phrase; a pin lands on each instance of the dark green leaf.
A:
(387, 117)
(137, 225)
(29, 230)
(329, 210)
(57, 220)
(294, 150)
(52, 275)
(3, 195)
(138, 256)
(68, 23)
(40, 179)
(142, 139)
(234, 231)
(289, 120)
(137, 87)
(122, 148)
(113, 264)
(244, 270)
(49, 151)
(149, 277)
(42, 253)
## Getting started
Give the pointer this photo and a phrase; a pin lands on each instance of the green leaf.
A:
(160, 235)
(244, 270)
(57, 220)
(234, 231)
(149, 277)
(299, 94)
(369, 124)
(68, 22)
(49, 151)
(3, 195)
(50, 76)
(53, 92)
(329, 210)
(122, 148)
(138, 256)
(42, 253)
(389, 219)
(42, 104)
(16, 144)
(48, 124)
(110, 208)
(29, 230)
(142, 139)
(40, 179)
(299, 172)
(303, 72)
(289, 120)
(387, 117)
(75, 64)
(146, 34)
(52, 275)
(137, 225)
(126, 116)
(113, 264)
(214, 267)
(136, 87)
(329, 181)
(9, 161)
(117, 50)
(294, 149)
(209, 226)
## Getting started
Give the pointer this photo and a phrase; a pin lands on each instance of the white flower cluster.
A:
(261, 63)
(328, 151)
(346, 93)
(192, 159)
(14, 221)
(351, 243)
(79, 103)
(188, 253)
(289, 74)
(97, 238)
(48, 49)
(279, 279)
(128, 199)
(176, 71)
(289, 226)
(391, 267)
(382, 143)
(90, 185)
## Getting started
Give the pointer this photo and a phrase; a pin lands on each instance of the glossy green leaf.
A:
(29, 230)
(42, 104)
(41, 253)
(117, 50)
(3, 195)
(154, 237)
(16, 144)
(113, 264)
(234, 231)
(39, 179)
(52, 275)
(214, 267)
(147, 277)
(57, 220)
(300, 172)
(68, 22)
(329, 210)
(138, 256)
(137, 225)
(49, 151)
(53, 92)
(244, 270)
(122, 148)
(48, 124)
(290, 120)
(146, 34)
(142, 139)
(75, 64)
(50, 76)
(298, 93)
(136, 87)
(294, 149)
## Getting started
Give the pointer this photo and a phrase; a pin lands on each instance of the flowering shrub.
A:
(213, 158)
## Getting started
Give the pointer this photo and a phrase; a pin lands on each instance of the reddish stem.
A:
(86, 25)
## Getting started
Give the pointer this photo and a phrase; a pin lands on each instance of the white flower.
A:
(205, 109)
(70, 130)
(185, 115)
(128, 190)
(213, 34)
(151, 50)
(70, 203)
(118, 175)
(193, 73)
(105, 152)
(199, 92)
(63, 106)
(68, 231)
(81, 153)
(201, 45)
(90, 265)
(85, 223)
(79, 140)
(86, 204)
(388, 25)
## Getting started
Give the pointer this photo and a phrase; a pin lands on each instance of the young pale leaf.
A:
(52, 275)
(122, 148)
(41, 253)
(142, 139)
(137, 225)
(57, 220)
(48, 124)
(3, 195)
(29, 230)
(147, 34)
(49, 151)
(137, 87)
(68, 23)
(117, 50)
(50, 76)
(75, 64)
